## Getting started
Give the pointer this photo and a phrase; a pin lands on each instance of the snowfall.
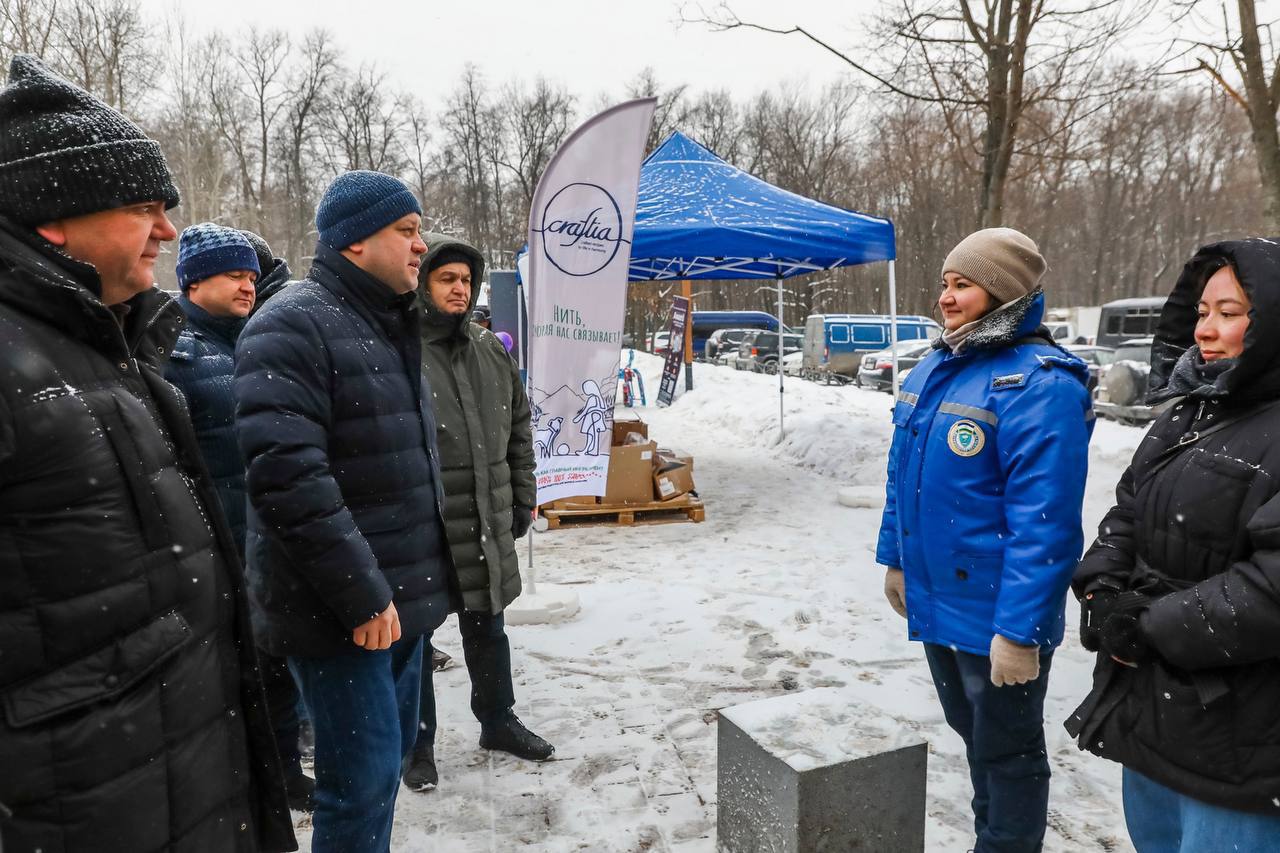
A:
(775, 593)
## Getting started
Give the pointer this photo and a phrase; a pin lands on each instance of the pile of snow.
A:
(776, 594)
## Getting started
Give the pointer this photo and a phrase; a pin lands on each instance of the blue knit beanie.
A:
(359, 203)
(207, 249)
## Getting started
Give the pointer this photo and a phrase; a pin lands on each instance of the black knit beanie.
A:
(266, 260)
(448, 256)
(64, 153)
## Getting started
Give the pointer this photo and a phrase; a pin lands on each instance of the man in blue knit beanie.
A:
(218, 272)
(347, 558)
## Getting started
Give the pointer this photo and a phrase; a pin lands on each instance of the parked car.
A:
(721, 341)
(759, 351)
(1129, 320)
(707, 322)
(834, 344)
(793, 364)
(659, 343)
(876, 370)
(1096, 357)
(1122, 385)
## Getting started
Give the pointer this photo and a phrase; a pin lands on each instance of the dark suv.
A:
(759, 350)
(723, 341)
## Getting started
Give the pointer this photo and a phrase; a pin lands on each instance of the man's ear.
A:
(356, 249)
(55, 232)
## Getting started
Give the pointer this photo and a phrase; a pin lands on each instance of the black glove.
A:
(1094, 609)
(1121, 635)
(521, 519)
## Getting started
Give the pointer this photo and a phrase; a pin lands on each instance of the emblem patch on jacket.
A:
(966, 438)
(1012, 380)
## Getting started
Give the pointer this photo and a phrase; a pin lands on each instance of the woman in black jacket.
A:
(1180, 594)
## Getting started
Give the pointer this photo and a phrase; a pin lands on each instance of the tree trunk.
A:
(1262, 115)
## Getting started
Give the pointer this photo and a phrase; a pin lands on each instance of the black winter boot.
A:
(511, 736)
(419, 771)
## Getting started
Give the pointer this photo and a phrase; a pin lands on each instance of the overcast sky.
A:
(591, 46)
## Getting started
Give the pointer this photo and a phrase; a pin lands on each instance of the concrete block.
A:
(818, 771)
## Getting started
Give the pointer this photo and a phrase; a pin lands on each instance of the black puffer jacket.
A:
(273, 280)
(202, 364)
(486, 441)
(133, 712)
(1197, 527)
(336, 428)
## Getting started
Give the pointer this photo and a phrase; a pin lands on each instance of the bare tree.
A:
(985, 65)
(26, 26)
(1242, 45)
(537, 122)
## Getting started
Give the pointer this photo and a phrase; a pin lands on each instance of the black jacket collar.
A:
(226, 329)
(43, 282)
(373, 299)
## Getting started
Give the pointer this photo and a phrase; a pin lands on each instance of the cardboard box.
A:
(672, 480)
(630, 474)
(667, 454)
(621, 429)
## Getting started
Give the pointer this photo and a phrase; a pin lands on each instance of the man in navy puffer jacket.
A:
(348, 564)
(218, 274)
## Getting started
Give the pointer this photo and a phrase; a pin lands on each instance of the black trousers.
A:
(282, 706)
(488, 655)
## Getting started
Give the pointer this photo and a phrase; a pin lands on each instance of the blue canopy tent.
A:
(698, 217)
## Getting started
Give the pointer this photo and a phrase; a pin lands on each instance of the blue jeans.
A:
(1164, 821)
(488, 655)
(364, 710)
(1003, 733)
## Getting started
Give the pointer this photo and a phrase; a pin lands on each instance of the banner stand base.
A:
(551, 603)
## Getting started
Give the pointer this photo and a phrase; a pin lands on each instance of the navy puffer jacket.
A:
(202, 365)
(338, 437)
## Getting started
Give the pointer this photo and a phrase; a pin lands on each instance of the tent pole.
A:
(686, 290)
(781, 330)
(893, 326)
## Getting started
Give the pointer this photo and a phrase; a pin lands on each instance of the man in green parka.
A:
(486, 463)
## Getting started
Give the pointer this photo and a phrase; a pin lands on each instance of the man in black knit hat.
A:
(133, 706)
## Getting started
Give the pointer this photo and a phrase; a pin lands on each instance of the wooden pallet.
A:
(683, 508)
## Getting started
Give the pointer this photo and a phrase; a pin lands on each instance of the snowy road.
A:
(777, 591)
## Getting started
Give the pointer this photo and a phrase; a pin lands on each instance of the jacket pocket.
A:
(969, 576)
(1212, 522)
(101, 675)
(1195, 736)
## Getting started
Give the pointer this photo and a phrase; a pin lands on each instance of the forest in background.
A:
(962, 113)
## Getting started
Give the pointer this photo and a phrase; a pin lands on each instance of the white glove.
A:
(895, 589)
(1012, 663)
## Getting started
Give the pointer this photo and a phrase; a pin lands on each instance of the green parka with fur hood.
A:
(485, 439)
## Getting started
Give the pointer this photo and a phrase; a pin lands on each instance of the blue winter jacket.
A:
(985, 484)
(202, 365)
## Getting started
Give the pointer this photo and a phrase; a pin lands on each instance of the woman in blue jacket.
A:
(981, 528)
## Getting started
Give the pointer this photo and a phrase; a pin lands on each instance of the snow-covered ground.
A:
(777, 591)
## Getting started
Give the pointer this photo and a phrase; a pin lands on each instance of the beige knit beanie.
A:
(1005, 262)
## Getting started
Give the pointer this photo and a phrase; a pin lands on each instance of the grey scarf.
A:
(1192, 376)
